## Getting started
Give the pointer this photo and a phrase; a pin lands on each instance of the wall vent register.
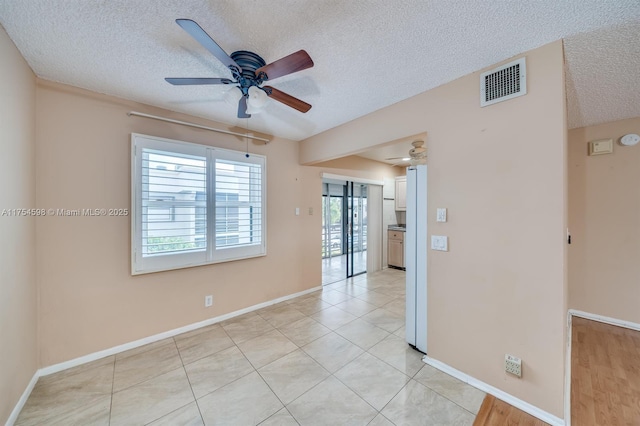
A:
(506, 82)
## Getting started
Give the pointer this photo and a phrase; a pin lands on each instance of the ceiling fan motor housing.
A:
(249, 62)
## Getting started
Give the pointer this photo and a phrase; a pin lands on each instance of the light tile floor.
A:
(333, 357)
(334, 268)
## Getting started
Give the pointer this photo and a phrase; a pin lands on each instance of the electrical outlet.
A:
(513, 365)
(208, 301)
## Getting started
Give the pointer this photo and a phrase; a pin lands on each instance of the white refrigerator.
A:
(416, 257)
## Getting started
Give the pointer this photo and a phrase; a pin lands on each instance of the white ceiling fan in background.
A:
(417, 155)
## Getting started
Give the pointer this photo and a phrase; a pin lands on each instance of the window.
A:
(194, 204)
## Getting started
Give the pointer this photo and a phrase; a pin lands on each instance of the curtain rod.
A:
(197, 126)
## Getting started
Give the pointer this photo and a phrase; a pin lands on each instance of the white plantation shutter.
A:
(173, 193)
(194, 204)
(238, 205)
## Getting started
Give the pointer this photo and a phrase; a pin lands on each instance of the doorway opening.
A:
(344, 230)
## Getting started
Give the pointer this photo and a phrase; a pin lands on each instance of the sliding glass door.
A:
(344, 230)
(332, 221)
(356, 219)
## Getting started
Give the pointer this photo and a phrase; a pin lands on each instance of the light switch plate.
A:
(441, 215)
(440, 243)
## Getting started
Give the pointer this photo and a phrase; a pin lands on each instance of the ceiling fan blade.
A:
(205, 40)
(197, 81)
(287, 99)
(295, 62)
(242, 108)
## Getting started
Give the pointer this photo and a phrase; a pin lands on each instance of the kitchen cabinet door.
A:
(395, 254)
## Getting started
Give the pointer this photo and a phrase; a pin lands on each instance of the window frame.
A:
(210, 254)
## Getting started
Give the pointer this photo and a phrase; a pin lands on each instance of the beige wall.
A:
(89, 300)
(18, 297)
(604, 219)
(501, 172)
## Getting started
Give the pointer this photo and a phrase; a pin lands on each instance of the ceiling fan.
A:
(249, 71)
(417, 155)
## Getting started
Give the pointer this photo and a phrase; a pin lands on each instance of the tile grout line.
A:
(189, 380)
(265, 381)
(274, 393)
(113, 383)
(377, 357)
(451, 400)
(314, 360)
(444, 396)
(355, 392)
(394, 396)
(378, 412)
(233, 381)
(249, 361)
(152, 377)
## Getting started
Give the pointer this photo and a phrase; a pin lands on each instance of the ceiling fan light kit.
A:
(417, 154)
(257, 100)
(232, 96)
(249, 72)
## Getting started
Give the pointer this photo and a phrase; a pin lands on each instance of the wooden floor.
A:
(494, 412)
(605, 374)
(605, 380)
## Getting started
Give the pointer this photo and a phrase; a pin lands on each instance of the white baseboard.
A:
(145, 341)
(510, 399)
(607, 320)
(23, 400)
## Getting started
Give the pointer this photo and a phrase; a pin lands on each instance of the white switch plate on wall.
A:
(440, 243)
(441, 215)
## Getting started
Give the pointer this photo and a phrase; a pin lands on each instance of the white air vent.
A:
(502, 83)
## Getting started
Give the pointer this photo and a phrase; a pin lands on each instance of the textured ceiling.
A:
(368, 53)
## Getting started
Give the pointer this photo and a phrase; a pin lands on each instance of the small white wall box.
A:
(602, 146)
(441, 215)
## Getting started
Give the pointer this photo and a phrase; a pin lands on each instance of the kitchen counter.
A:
(401, 228)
